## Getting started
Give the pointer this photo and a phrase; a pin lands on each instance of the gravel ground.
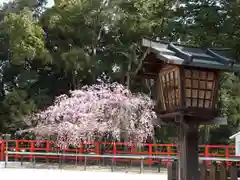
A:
(105, 168)
(15, 170)
(52, 171)
(52, 174)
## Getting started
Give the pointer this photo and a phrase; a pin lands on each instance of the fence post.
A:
(112, 164)
(17, 150)
(21, 160)
(169, 153)
(132, 152)
(159, 165)
(97, 151)
(85, 163)
(132, 148)
(47, 150)
(233, 172)
(34, 161)
(203, 172)
(6, 152)
(31, 150)
(80, 151)
(212, 175)
(227, 155)
(97, 148)
(222, 172)
(150, 154)
(2, 150)
(206, 153)
(60, 159)
(114, 149)
(63, 157)
(142, 165)
(172, 170)
(76, 158)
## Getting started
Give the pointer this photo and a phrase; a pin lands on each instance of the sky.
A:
(50, 2)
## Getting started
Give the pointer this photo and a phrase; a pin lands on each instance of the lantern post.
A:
(187, 80)
(7, 138)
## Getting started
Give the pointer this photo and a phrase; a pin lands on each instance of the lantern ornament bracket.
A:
(186, 56)
(220, 57)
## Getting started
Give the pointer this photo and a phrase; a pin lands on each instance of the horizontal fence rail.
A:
(169, 151)
(112, 157)
(231, 159)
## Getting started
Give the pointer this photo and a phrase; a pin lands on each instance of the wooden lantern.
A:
(187, 78)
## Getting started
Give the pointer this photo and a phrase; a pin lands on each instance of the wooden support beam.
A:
(203, 172)
(233, 172)
(172, 171)
(212, 175)
(222, 172)
(188, 155)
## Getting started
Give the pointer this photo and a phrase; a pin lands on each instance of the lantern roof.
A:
(164, 52)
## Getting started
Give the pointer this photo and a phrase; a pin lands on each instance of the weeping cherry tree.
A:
(92, 112)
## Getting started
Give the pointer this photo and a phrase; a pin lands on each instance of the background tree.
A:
(46, 52)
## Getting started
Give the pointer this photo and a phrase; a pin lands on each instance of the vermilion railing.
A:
(110, 148)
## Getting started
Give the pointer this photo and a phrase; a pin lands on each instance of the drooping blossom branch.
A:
(95, 111)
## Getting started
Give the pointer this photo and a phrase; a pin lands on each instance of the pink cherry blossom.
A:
(95, 111)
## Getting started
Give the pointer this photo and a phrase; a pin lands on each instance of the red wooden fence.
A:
(110, 148)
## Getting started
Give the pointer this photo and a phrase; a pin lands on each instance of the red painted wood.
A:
(112, 148)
